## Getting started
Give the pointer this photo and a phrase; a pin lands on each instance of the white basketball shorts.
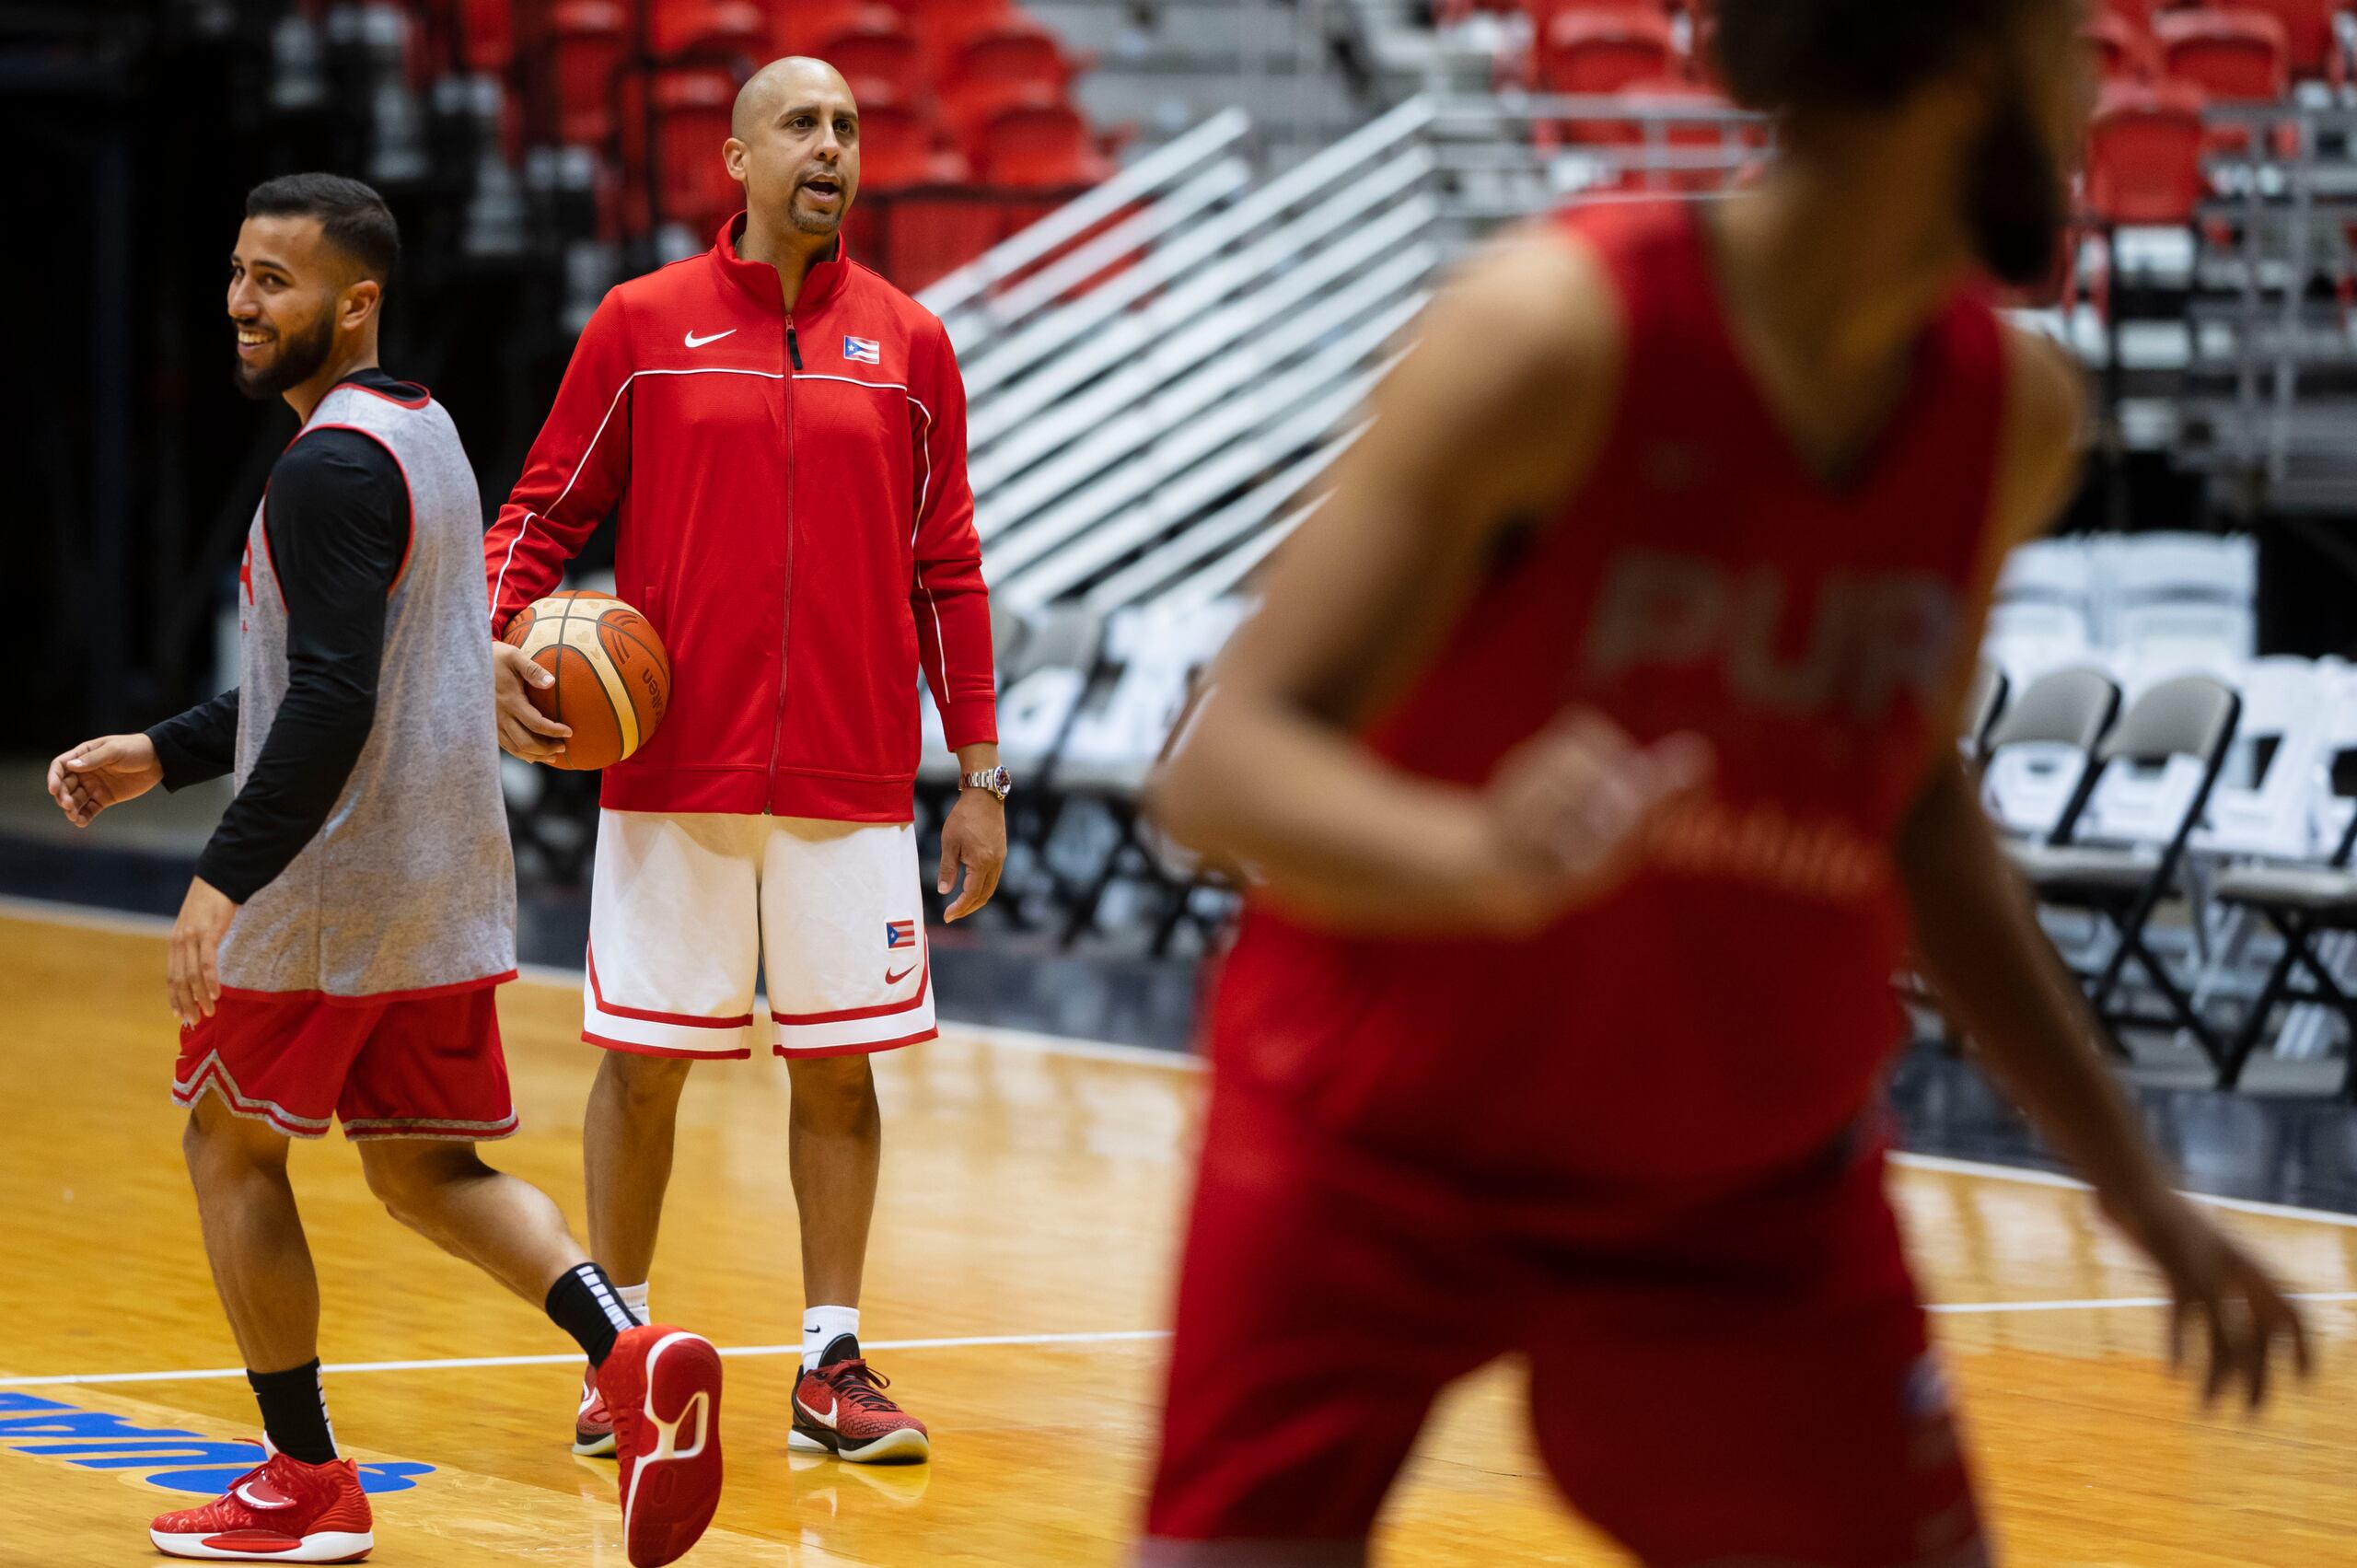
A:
(689, 910)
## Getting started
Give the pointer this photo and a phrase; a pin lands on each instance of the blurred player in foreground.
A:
(1594, 752)
(339, 949)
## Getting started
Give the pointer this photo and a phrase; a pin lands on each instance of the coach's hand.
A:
(524, 730)
(192, 972)
(103, 772)
(1566, 816)
(975, 838)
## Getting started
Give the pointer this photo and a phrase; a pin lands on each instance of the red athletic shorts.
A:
(404, 1067)
(1743, 1382)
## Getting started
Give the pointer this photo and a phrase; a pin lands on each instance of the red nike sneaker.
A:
(662, 1387)
(840, 1409)
(280, 1511)
(593, 1429)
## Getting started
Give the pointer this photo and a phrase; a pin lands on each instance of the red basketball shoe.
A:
(662, 1387)
(280, 1511)
(840, 1409)
(593, 1429)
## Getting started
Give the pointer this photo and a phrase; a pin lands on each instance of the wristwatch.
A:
(998, 781)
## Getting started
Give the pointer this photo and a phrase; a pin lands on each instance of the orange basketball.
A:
(614, 680)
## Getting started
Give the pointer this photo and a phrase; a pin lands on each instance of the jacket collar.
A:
(760, 280)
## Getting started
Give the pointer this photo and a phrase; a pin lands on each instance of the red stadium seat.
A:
(2311, 42)
(708, 27)
(2144, 147)
(874, 49)
(919, 215)
(1602, 52)
(2124, 50)
(691, 106)
(2237, 56)
(898, 150)
(487, 34)
(1040, 143)
(589, 40)
(1003, 62)
(798, 27)
(2234, 57)
(943, 19)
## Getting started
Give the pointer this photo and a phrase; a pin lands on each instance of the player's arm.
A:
(1979, 943)
(951, 607)
(1488, 423)
(574, 474)
(338, 526)
(198, 745)
(187, 748)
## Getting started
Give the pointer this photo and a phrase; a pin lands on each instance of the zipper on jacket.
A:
(786, 617)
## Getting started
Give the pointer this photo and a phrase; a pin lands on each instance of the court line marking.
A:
(972, 1342)
(458, 1364)
(90, 918)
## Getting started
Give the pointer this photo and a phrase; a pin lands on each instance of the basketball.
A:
(614, 680)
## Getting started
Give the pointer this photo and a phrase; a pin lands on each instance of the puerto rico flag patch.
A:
(900, 933)
(863, 350)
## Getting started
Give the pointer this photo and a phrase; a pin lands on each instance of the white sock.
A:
(821, 1326)
(635, 1297)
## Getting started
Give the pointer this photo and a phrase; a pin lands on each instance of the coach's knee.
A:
(413, 1179)
(642, 1086)
(837, 1093)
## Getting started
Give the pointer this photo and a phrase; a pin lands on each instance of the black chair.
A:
(2303, 903)
(1984, 700)
(2192, 716)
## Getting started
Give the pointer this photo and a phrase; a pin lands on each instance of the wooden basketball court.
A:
(1015, 1292)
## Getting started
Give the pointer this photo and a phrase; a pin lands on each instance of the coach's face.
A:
(795, 145)
(289, 290)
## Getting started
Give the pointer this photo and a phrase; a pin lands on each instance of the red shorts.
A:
(400, 1067)
(1747, 1382)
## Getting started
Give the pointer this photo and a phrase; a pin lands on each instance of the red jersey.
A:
(1727, 1012)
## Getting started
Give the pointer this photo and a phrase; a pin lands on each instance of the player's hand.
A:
(524, 730)
(2219, 1288)
(1567, 813)
(975, 838)
(103, 772)
(193, 968)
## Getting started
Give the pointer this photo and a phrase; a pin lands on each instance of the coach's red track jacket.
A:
(795, 521)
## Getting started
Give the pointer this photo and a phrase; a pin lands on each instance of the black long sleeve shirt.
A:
(337, 519)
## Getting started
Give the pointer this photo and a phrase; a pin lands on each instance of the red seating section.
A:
(2144, 150)
(952, 92)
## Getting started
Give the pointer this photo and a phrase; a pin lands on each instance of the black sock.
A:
(294, 1411)
(584, 1305)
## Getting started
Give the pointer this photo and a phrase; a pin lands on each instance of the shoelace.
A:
(856, 1383)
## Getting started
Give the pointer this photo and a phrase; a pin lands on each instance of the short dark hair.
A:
(353, 217)
(1779, 55)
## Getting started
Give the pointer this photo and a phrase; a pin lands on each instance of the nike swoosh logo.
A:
(252, 1499)
(695, 341)
(825, 1419)
(891, 979)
